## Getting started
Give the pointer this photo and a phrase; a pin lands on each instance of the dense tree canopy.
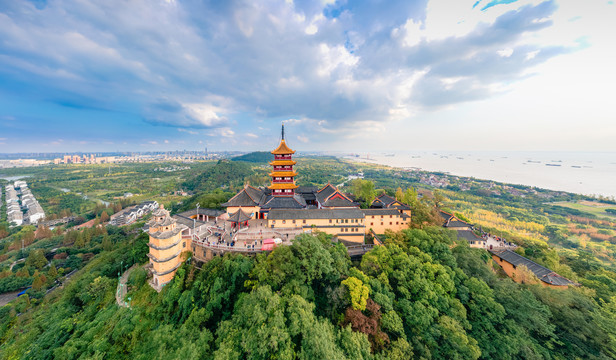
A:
(419, 296)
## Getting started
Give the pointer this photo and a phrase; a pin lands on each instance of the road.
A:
(121, 290)
(8, 297)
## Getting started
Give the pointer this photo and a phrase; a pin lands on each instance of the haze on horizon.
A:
(345, 76)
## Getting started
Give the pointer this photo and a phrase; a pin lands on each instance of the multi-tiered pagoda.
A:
(283, 175)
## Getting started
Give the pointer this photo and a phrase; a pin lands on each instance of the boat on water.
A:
(553, 165)
(576, 166)
(534, 161)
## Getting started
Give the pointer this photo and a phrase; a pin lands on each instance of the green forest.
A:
(422, 295)
(415, 297)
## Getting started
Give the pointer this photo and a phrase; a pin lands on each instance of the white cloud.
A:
(191, 132)
(372, 67)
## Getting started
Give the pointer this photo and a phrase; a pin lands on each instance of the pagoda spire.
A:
(282, 131)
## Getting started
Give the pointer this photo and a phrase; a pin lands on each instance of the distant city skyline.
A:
(366, 76)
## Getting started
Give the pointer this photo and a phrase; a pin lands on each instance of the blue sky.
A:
(359, 76)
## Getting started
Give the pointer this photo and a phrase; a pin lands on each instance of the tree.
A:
(439, 199)
(53, 272)
(358, 292)
(43, 232)
(107, 244)
(79, 241)
(399, 195)
(39, 281)
(37, 259)
(104, 217)
(28, 237)
(364, 191)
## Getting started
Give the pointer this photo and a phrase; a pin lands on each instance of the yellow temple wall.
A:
(247, 209)
(161, 280)
(380, 223)
(512, 272)
(161, 267)
(315, 222)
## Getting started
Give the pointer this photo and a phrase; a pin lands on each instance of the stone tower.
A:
(166, 246)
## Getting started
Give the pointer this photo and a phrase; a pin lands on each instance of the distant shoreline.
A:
(579, 173)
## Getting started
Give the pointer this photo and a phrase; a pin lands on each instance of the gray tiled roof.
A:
(452, 221)
(242, 199)
(202, 211)
(284, 202)
(186, 220)
(239, 216)
(325, 192)
(338, 202)
(307, 189)
(386, 199)
(468, 235)
(544, 274)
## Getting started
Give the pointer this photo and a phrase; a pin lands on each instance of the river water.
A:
(588, 173)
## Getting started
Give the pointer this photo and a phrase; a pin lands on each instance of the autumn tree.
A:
(28, 237)
(37, 259)
(104, 217)
(43, 232)
(39, 281)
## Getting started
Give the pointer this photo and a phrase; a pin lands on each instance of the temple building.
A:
(166, 246)
(463, 229)
(258, 219)
(289, 208)
(283, 176)
(512, 263)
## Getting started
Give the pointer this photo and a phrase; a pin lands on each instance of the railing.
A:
(228, 248)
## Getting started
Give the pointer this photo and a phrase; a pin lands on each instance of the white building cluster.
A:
(16, 206)
(131, 214)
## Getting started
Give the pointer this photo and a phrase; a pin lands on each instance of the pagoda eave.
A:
(283, 174)
(283, 186)
(283, 149)
(282, 162)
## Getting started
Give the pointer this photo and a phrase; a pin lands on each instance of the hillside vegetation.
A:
(415, 297)
(421, 295)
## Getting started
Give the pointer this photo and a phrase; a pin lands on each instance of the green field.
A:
(594, 208)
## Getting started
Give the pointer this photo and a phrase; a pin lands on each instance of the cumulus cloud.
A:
(213, 65)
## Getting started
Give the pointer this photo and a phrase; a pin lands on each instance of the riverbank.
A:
(581, 173)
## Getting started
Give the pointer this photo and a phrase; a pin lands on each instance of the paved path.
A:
(121, 290)
(8, 297)
(492, 243)
(16, 262)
